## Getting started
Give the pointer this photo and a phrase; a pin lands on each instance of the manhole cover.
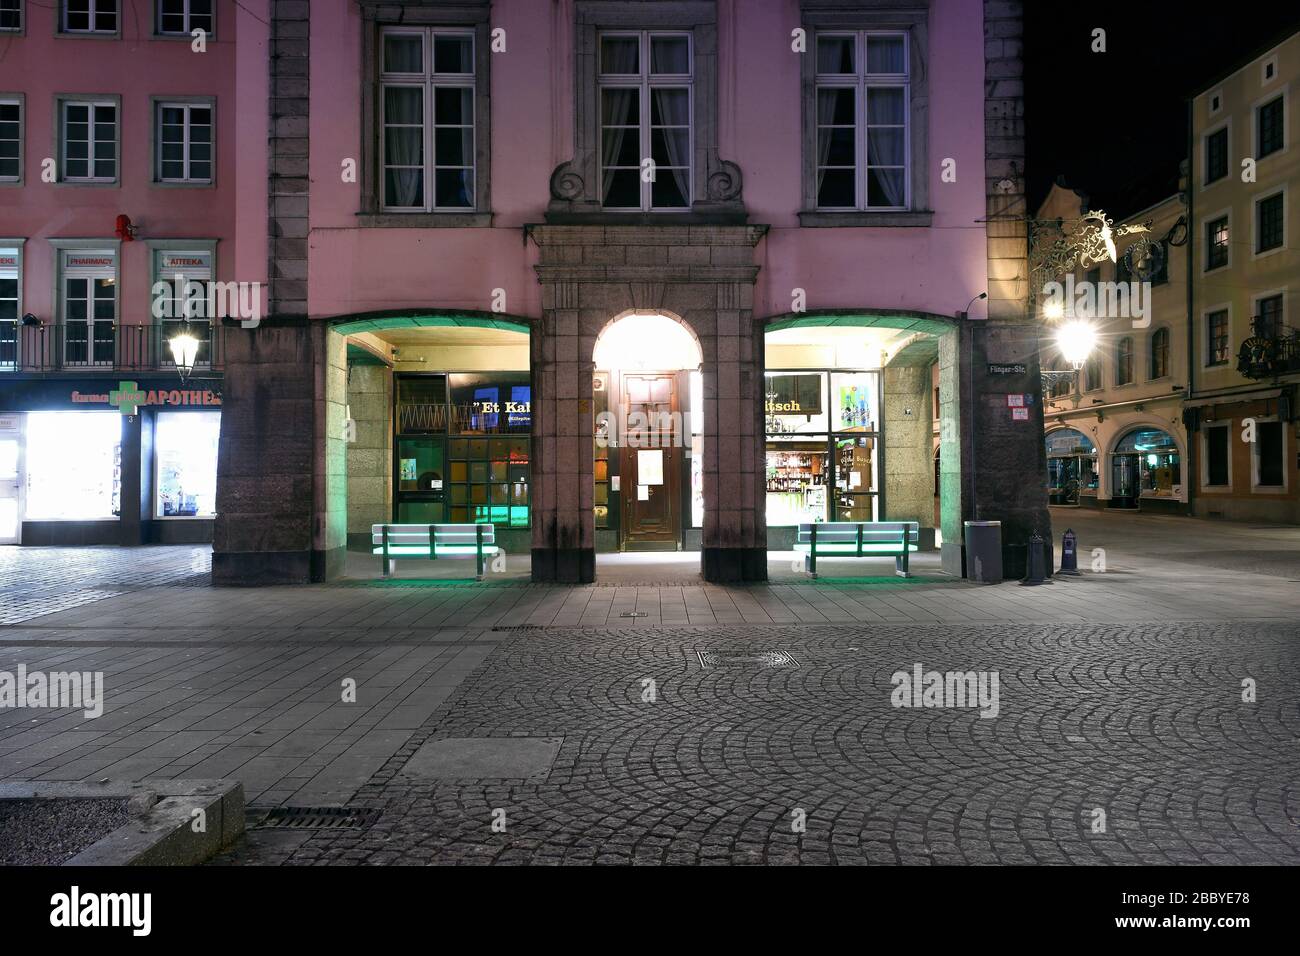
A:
(759, 659)
(320, 818)
(483, 758)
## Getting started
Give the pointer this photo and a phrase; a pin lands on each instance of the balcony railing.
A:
(1273, 349)
(103, 346)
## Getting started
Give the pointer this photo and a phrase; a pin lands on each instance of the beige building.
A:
(1245, 359)
(1115, 435)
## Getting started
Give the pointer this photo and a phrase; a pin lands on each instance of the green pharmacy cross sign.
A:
(127, 397)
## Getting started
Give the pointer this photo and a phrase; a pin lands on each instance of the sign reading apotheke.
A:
(128, 397)
(35, 395)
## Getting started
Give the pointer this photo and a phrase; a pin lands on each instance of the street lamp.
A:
(185, 351)
(1076, 340)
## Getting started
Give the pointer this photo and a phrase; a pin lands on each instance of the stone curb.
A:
(161, 832)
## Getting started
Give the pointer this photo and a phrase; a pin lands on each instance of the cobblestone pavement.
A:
(1144, 723)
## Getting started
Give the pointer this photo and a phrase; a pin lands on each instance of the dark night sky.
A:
(1114, 123)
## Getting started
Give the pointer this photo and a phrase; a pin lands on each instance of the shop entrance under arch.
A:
(861, 422)
(648, 441)
(434, 416)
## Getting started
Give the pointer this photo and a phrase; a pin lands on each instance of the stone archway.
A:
(703, 274)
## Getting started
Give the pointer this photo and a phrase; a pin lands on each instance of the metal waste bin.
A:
(984, 551)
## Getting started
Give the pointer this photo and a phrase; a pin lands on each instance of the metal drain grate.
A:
(319, 818)
(760, 659)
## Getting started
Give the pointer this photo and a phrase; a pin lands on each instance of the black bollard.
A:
(1069, 553)
(1036, 566)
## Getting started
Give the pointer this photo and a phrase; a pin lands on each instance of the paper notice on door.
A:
(650, 467)
(642, 492)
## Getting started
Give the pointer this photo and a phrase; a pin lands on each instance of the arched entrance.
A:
(851, 419)
(434, 420)
(648, 437)
(1146, 465)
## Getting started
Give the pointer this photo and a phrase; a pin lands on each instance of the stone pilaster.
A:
(370, 455)
(909, 439)
(289, 149)
(1003, 462)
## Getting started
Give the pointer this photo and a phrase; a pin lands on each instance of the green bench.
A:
(432, 542)
(858, 539)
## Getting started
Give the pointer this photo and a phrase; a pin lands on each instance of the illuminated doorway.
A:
(648, 436)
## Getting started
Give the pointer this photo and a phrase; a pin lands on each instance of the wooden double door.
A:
(651, 458)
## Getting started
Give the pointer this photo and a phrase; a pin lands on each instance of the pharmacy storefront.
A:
(108, 461)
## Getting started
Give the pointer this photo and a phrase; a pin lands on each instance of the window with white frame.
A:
(1270, 127)
(1217, 469)
(427, 83)
(10, 306)
(181, 287)
(862, 109)
(1217, 346)
(89, 16)
(1268, 322)
(182, 17)
(1270, 224)
(645, 80)
(88, 305)
(1216, 155)
(184, 138)
(89, 134)
(11, 138)
(11, 15)
(1216, 243)
(1158, 366)
(1268, 458)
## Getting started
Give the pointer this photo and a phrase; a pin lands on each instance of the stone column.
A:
(564, 537)
(266, 457)
(370, 453)
(735, 520)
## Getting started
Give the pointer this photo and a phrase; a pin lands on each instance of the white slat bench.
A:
(858, 539)
(433, 542)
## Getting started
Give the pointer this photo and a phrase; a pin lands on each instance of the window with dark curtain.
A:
(1216, 155)
(1216, 337)
(1270, 126)
(1160, 353)
(1268, 223)
(1268, 439)
(1124, 361)
(1216, 455)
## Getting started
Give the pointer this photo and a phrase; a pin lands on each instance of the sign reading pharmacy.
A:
(128, 397)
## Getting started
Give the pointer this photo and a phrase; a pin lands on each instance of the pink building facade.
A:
(491, 237)
(125, 162)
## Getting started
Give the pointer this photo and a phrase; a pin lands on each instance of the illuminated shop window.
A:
(463, 448)
(74, 465)
(185, 452)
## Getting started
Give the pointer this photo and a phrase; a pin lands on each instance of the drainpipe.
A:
(1192, 467)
